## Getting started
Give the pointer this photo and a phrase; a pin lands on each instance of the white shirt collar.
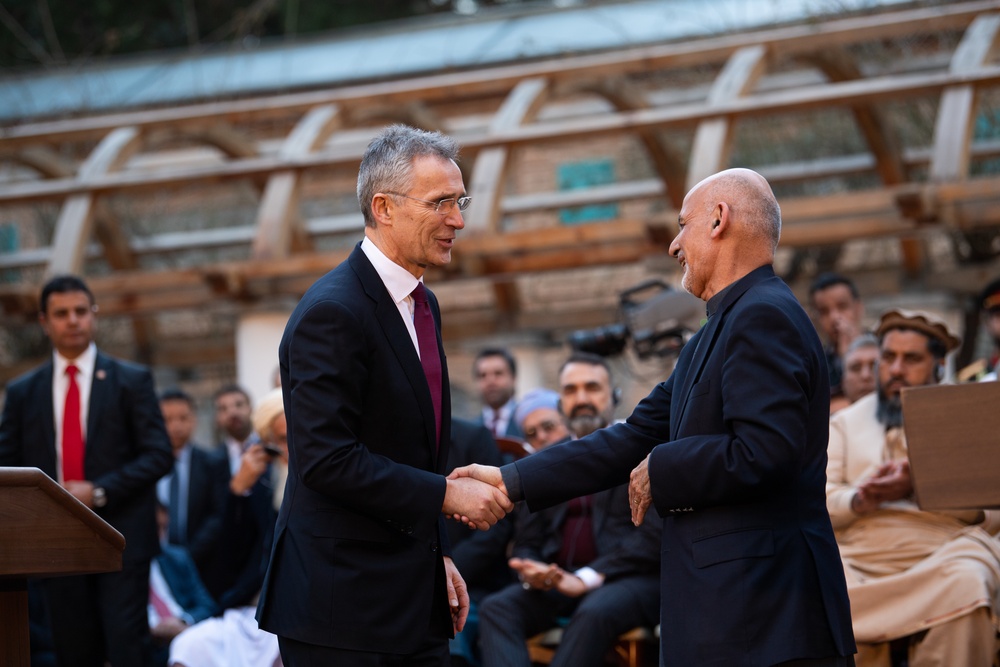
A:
(398, 281)
(85, 362)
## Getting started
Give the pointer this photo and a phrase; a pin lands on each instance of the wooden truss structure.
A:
(894, 102)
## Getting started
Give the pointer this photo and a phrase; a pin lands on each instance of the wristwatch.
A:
(99, 498)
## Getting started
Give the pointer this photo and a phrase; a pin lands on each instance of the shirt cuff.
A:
(590, 577)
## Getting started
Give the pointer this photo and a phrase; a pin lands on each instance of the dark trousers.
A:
(432, 653)
(101, 617)
(513, 614)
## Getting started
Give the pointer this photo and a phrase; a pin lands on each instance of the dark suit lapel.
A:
(100, 395)
(703, 346)
(42, 408)
(709, 334)
(398, 337)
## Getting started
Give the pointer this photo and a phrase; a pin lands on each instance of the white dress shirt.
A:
(398, 281)
(60, 383)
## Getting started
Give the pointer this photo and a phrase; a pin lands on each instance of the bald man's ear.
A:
(721, 219)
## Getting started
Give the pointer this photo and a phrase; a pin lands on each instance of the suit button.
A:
(434, 547)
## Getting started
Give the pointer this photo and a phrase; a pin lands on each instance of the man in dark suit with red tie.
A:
(92, 423)
(360, 572)
(731, 451)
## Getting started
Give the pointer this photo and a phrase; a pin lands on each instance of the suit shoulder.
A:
(774, 297)
(123, 366)
(341, 285)
(861, 409)
(24, 380)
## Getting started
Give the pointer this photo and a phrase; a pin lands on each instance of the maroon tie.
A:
(72, 431)
(423, 322)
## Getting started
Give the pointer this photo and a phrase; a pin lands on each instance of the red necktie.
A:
(72, 431)
(423, 322)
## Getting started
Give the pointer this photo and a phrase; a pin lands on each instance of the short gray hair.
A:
(862, 340)
(387, 164)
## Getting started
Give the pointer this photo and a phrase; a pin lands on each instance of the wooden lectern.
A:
(45, 532)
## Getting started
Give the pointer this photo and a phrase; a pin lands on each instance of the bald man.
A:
(731, 450)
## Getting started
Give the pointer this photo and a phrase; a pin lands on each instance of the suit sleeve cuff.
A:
(512, 480)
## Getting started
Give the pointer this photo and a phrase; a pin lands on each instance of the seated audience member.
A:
(480, 556)
(177, 597)
(234, 639)
(985, 370)
(583, 559)
(931, 577)
(859, 371)
(194, 491)
(838, 310)
(539, 418)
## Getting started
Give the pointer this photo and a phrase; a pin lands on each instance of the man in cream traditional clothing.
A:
(933, 577)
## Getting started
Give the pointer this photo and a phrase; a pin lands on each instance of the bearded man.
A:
(931, 577)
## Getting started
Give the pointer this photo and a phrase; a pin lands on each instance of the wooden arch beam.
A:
(279, 226)
(953, 128)
(75, 223)
(45, 161)
(490, 172)
(837, 66)
(669, 165)
(490, 169)
(83, 215)
(713, 139)
(224, 137)
(877, 132)
(415, 114)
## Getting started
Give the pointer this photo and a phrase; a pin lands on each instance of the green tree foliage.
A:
(60, 32)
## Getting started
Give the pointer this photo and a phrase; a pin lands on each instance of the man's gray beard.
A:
(582, 425)
(889, 411)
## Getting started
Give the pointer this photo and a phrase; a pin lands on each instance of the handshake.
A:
(476, 496)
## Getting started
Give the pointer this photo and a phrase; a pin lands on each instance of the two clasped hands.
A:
(477, 496)
(890, 481)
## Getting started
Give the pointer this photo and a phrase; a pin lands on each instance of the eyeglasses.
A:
(544, 427)
(444, 206)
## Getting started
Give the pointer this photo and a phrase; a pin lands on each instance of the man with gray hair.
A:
(360, 572)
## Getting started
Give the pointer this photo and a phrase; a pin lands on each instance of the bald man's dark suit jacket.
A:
(357, 557)
(737, 438)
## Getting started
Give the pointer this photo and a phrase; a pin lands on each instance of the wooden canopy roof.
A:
(879, 132)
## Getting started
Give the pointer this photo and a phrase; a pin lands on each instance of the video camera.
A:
(654, 315)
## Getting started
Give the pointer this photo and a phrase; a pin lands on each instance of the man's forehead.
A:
(540, 415)
(68, 299)
(904, 339)
(231, 397)
(580, 373)
(838, 291)
(492, 363)
(865, 351)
